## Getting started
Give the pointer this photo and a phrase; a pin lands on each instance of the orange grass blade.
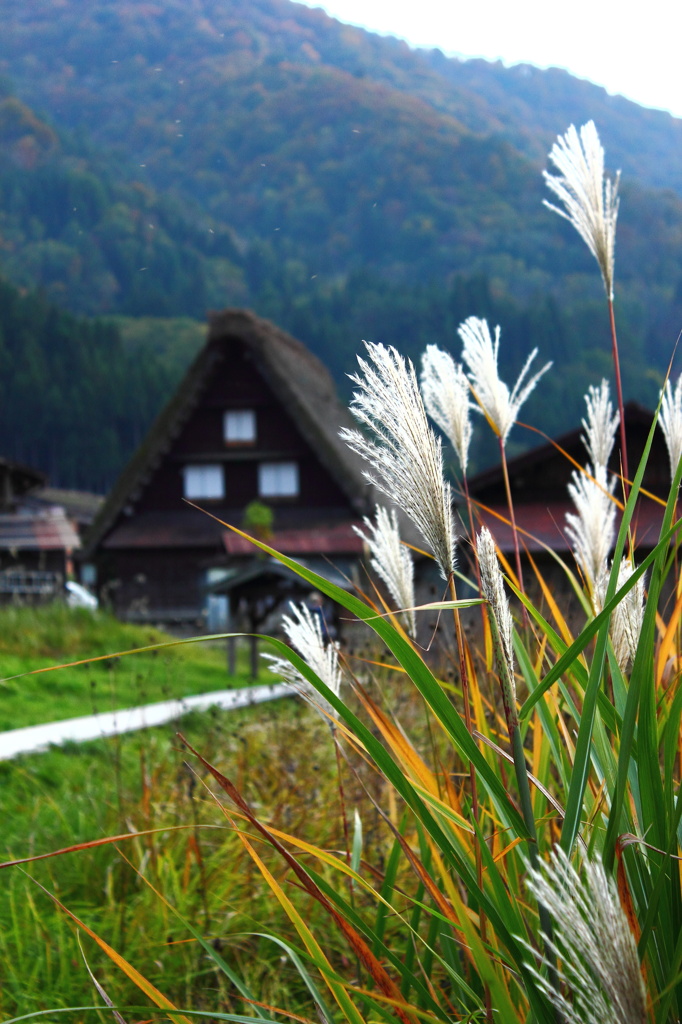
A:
(123, 654)
(325, 968)
(668, 641)
(425, 1015)
(565, 632)
(278, 1009)
(337, 863)
(402, 748)
(501, 854)
(138, 979)
(102, 842)
(365, 955)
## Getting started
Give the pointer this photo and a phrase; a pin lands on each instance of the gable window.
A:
(278, 479)
(239, 426)
(203, 481)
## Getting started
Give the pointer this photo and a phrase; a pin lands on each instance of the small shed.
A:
(36, 542)
(258, 594)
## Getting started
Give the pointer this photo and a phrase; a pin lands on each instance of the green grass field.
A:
(84, 792)
(39, 638)
(147, 780)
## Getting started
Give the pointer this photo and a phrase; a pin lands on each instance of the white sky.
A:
(634, 49)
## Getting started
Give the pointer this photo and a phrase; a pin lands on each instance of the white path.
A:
(92, 727)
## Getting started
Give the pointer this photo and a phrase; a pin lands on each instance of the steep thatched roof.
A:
(298, 378)
(306, 390)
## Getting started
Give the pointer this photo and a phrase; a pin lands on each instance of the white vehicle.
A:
(78, 596)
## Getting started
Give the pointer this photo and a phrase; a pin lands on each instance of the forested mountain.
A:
(160, 158)
(74, 401)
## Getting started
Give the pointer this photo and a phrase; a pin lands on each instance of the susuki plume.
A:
(304, 632)
(591, 528)
(589, 199)
(406, 458)
(492, 585)
(600, 971)
(670, 420)
(494, 399)
(447, 399)
(628, 616)
(391, 560)
(601, 424)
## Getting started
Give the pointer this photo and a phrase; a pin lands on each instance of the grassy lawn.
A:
(84, 792)
(36, 638)
(148, 780)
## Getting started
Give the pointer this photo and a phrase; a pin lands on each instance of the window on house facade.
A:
(278, 480)
(239, 426)
(203, 481)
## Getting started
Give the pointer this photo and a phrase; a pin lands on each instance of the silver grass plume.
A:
(494, 399)
(502, 624)
(447, 398)
(601, 424)
(591, 529)
(628, 616)
(304, 632)
(406, 458)
(670, 420)
(391, 561)
(590, 201)
(600, 971)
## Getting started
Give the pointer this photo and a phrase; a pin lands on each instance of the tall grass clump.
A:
(524, 862)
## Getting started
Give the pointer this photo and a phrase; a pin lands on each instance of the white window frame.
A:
(278, 480)
(239, 426)
(204, 481)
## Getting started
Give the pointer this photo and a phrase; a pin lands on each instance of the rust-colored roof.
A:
(179, 528)
(542, 526)
(543, 473)
(26, 531)
(340, 539)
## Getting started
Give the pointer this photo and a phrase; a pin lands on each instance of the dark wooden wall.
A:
(237, 384)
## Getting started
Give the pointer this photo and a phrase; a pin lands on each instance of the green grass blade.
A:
(563, 665)
(296, 958)
(417, 670)
(356, 852)
(581, 762)
(632, 704)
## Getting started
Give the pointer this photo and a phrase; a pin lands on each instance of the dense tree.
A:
(158, 161)
(73, 401)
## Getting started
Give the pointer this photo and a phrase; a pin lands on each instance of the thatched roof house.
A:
(256, 418)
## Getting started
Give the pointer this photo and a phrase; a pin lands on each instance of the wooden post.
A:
(254, 656)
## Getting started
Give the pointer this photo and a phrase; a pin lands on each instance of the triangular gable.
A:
(301, 384)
